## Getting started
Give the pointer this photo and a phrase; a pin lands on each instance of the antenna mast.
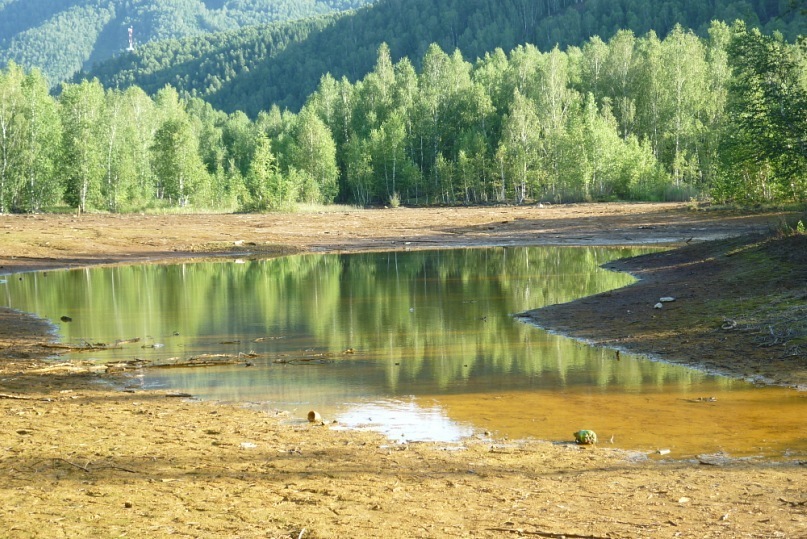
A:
(131, 39)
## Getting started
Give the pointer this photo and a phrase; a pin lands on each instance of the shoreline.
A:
(81, 459)
(529, 317)
(581, 320)
(711, 282)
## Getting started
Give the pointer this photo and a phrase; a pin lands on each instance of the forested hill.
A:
(61, 37)
(200, 65)
(253, 78)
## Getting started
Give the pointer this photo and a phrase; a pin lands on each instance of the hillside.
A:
(61, 37)
(348, 47)
(200, 65)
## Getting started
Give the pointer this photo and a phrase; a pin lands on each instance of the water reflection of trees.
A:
(440, 318)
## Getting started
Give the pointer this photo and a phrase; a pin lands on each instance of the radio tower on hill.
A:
(131, 39)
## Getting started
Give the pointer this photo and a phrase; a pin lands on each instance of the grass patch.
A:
(768, 280)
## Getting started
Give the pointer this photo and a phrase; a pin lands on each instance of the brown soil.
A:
(81, 458)
(740, 309)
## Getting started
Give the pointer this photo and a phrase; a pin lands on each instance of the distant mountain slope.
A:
(201, 65)
(61, 37)
(348, 46)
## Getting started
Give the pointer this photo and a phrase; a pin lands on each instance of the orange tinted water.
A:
(741, 421)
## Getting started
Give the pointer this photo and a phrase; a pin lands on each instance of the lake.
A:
(420, 345)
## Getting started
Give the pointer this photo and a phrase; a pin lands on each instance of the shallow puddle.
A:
(420, 345)
(739, 421)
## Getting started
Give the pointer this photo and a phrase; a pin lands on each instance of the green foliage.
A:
(765, 152)
(267, 188)
(82, 160)
(56, 37)
(520, 127)
(29, 142)
(313, 157)
(624, 119)
(791, 226)
(62, 37)
(176, 161)
(282, 64)
(201, 65)
(39, 159)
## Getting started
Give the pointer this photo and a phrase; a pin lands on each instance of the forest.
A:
(633, 118)
(199, 66)
(61, 37)
(260, 74)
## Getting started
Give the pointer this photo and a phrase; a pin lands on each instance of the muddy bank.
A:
(90, 462)
(84, 455)
(740, 308)
(38, 242)
(706, 327)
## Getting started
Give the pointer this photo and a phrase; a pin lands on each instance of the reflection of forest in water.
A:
(435, 348)
(426, 321)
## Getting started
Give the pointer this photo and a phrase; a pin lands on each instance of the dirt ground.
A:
(82, 456)
(740, 309)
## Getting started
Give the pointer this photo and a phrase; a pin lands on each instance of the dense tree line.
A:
(60, 37)
(252, 83)
(121, 150)
(631, 118)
